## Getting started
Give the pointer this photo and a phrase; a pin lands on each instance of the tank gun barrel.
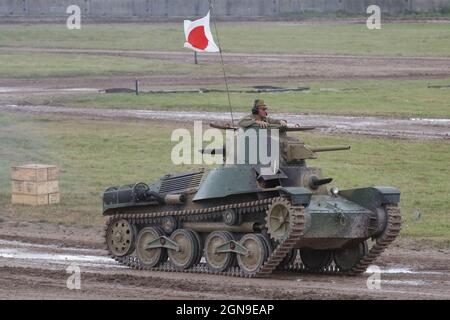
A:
(329, 148)
(227, 126)
(271, 126)
(302, 128)
(291, 128)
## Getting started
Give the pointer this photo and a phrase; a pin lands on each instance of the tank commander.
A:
(260, 117)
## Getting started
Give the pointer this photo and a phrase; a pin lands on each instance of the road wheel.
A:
(346, 258)
(316, 259)
(149, 257)
(257, 253)
(188, 251)
(218, 262)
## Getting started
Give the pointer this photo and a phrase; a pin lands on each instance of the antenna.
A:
(221, 61)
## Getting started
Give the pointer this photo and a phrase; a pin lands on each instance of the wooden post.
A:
(195, 57)
(137, 87)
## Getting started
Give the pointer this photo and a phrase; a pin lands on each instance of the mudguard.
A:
(298, 195)
(372, 197)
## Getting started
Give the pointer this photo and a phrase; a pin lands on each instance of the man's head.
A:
(259, 108)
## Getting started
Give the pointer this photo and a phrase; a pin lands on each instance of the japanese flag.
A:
(198, 35)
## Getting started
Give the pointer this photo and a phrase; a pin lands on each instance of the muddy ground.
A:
(34, 258)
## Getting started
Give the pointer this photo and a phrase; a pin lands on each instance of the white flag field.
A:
(198, 35)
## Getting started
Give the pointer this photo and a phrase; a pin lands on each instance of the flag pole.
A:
(221, 61)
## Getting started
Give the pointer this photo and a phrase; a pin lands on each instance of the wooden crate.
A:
(35, 173)
(54, 198)
(35, 184)
(35, 200)
(35, 188)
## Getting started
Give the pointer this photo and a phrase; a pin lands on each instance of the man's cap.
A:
(259, 103)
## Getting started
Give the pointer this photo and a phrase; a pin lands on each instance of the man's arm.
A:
(272, 120)
(276, 121)
(247, 122)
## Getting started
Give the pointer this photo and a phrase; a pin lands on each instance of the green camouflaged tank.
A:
(247, 219)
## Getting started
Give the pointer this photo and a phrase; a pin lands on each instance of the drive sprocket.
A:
(279, 219)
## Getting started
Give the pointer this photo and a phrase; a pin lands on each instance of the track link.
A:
(282, 250)
(394, 223)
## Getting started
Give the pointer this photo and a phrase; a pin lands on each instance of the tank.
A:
(245, 220)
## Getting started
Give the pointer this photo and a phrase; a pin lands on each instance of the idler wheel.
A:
(150, 257)
(120, 238)
(346, 258)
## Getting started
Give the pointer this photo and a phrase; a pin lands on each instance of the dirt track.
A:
(413, 128)
(273, 69)
(34, 267)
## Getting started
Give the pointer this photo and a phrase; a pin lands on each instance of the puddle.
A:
(77, 89)
(25, 254)
(431, 120)
(404, 282)
(14, 243)
(20, 253)
(8, 90)
(400, 270)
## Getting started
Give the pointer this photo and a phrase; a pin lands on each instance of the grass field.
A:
(402, 98)
(95, 154)
(412, 39)
(372, 97)
(42, 65)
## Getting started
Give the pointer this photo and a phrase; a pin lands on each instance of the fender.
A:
(372, 197)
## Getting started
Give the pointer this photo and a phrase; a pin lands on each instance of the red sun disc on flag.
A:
(197, 38)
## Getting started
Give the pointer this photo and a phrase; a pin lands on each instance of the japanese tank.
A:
(246, 219)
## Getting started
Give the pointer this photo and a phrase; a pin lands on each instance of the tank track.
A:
(277, 255)
(393, 227)
(273, 261)
(392, 231)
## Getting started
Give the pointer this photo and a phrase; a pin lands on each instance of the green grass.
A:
(414, 39)
(95, 154)
(92, 155)
(370, 97)
(42, 65)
